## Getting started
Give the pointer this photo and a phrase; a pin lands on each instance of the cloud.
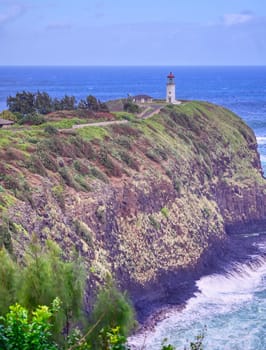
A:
(59, 26)
(231, 19)
(11, 12)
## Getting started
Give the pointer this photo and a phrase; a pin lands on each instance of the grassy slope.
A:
(134, 196)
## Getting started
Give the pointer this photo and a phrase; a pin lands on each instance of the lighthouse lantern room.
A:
(170, 88)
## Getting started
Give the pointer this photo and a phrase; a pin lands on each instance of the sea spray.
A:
(231, 305)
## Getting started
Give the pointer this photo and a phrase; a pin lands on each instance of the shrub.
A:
(82, 148)
(131, 162)
(35, 165)
(67, 177)
(177, 184)
(131, 107)
(101, 213)
(5, 236)
(81, 167)
(154, 222)
(8, 115)
(20, 187)
(165, 212)
(83, 231)
(206, 212)
(32, 119)
(51, 130)
(47, 159)
(58, 193)
(95, 172)
(80, 180)
(111, 309)
(112, 168)
(124, 142)
(152, 155)
(24, 330)
(8, 280)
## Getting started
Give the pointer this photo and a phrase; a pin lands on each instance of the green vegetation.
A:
(24, 330)
(165, 212)
(112, 310)
(48, 280)
(91, 103)
(131, 107)
(64, 123)
(126, 116)
(34, 284)
(92, 132)
(27, 103)
(149, 183)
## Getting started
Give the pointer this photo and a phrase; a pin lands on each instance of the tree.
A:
(46, 276)
(112, 309)
(83, 104)
(22, 103)
(57, 106)
(92, 103)
(7, 281)
(43, 103)
(68, 103)
(131, 107)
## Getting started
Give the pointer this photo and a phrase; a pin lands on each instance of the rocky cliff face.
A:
(145, 201)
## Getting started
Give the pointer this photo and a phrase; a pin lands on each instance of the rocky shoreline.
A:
(237, 249)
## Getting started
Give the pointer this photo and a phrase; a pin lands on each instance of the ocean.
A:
(231, 305)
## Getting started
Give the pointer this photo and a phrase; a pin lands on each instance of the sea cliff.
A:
(149, 202)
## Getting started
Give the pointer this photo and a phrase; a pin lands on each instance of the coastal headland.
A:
(152, 202)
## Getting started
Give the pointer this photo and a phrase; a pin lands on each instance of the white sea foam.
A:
(263, 158)
(261, 140)
(220, 302)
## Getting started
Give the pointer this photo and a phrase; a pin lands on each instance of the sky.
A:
(136, 32)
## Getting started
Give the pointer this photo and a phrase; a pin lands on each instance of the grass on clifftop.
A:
(193, 135)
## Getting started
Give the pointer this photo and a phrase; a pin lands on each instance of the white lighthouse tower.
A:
(170, 88)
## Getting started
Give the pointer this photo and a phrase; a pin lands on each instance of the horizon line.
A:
(137, 66)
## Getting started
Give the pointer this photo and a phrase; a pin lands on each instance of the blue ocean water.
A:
(232, 306)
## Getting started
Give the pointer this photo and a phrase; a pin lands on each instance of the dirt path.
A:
(150, 111)
(100, 124)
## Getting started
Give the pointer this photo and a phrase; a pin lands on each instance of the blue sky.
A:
(139, 32)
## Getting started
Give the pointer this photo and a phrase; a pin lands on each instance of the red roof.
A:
(171, 75)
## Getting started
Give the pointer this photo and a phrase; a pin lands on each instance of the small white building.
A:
(170, 88)
(142, 99)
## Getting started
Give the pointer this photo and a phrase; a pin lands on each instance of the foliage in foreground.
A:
(24, 330)
(21, 329)
(46, 279)
(43, 277)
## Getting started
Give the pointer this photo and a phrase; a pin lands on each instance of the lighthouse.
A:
(170, 88)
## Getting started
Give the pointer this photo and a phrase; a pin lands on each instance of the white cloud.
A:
(232, 19)
(58, 26)
(11, 13)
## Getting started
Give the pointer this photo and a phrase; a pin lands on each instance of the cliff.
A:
(145, 201)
